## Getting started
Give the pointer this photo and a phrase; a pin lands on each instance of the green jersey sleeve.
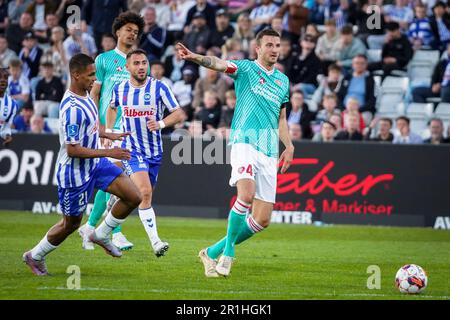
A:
(241, 67)
(100, 70)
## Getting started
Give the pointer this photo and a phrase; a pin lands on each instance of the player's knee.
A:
(146, 194)
(135, 199)
(70, 225)
(263, 222)
(247, 197)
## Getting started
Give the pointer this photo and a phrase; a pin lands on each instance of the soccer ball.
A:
(411, 278)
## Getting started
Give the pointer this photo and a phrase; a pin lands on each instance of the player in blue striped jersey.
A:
(8, 109)
(81, 167)
(127, 28)
(142, 100)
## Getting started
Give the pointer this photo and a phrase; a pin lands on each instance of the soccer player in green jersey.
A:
(259, 122)
(127, 28)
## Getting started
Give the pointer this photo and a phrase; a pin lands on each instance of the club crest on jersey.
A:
(262, 81)
(119, 68)
(72, 130)
(278, 82)
(147, 97)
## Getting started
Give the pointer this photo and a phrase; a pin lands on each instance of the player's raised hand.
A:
(184, 52)
(153, 125)
(119, 153)
(286, 157)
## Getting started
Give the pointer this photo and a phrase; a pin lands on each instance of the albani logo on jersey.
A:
(133, 113)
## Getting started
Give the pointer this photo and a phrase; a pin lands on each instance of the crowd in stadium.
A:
(355, 74)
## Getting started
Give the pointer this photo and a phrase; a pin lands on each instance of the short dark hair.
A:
(436, 119)
(387, 120)
(47, 64)
(125, 18)
(360, 55)
(136, 51)
(108, 35)
(392, 26)
(2, 35)
(266, 32)
(156, 62)
(403, 118)
(334, 67)
(79, 62)
(347, 29)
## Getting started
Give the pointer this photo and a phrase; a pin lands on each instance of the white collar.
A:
(264, 69)
(117, 50)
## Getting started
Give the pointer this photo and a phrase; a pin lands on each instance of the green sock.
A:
(100, 201)
(216, 249)
(236, 219)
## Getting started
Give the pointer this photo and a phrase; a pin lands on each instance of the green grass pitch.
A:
(283, 262)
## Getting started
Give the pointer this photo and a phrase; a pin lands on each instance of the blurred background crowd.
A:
(368, 70)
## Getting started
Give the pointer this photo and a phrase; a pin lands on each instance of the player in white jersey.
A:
(8, 109)
(142, 100)
(81, 167)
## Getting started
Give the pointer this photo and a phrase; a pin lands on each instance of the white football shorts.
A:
(248, 163)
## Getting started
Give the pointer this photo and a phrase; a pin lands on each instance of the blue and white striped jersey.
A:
(8, 109)
(140, 104)
(78, 124)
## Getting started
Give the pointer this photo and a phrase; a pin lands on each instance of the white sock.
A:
(148, 219)
(42, 249)
(105, 228)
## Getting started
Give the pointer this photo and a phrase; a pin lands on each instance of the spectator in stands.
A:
(63, 14)
(18, 84)
(306, 67)
(195, 128)
(419, 33)
(336, 119)
(228, 109)
(360, 85)
(44, 36)
(208, 11)
(198, 37)
(329, 104)
(178, 14)
(352, 107)
(396, 53)
(211, 82)
(100, 16)
(400, 13)
(231, 50)
(244, 32)
(297, 111)
(39, 9)
(348, 48)
(327, 43)
(174, 65)
(16, 32)
(440, 24)
(262, 14)
(404, 134)
(157, 71)
(30, 55)
(16, 8)
(297, 18)
(384, 130)
(277, 25)
(154, 37)
(371, 34)
(49, 93)
(4, 20)
(38, 125)
(329, 84)
(56, 54)
(351, 129)
(287, 57)
(342, 13)
(223, 30)
(108, 42)
(22, 121)
(436, 127)
(209, 111)
(327, 132)
(79, 42)
(237, 7)
(421, 93)
(162, 12)
(184, 89)
(6, 54)
(445, 85)
(295, 131)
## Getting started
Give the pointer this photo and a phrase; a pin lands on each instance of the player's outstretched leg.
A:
(130, 198)
(35, 258)
(97, 211)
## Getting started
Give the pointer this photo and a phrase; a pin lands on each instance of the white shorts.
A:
(248, 163)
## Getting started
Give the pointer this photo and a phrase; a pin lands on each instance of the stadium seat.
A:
(420, 73)
(430, 56)
(53, 124)
(419, 110)
(442, 110)
(374, 55)
(395, 84)
(419, 126)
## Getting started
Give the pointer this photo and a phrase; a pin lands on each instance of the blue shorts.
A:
(139, 163)
(73, 201)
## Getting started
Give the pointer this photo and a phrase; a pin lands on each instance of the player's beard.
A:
(140, 79)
